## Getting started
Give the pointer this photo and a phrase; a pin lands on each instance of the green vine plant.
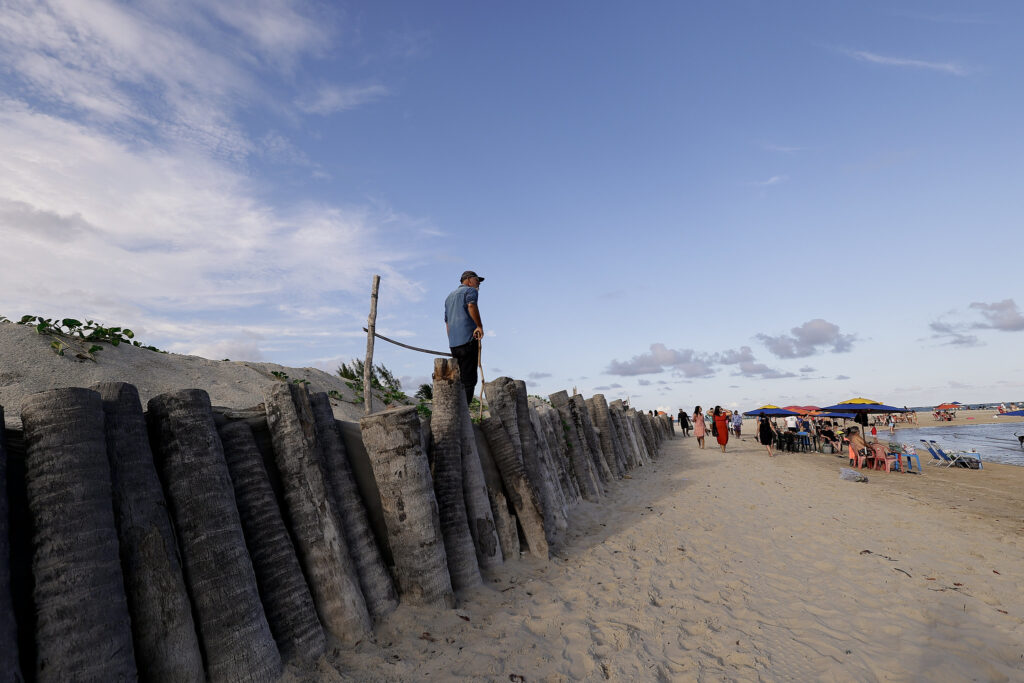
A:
(90, 332)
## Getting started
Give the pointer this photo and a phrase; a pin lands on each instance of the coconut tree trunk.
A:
(504, 518)
(83, 630)
(544, 479)
(623, 443)
(474, 491)
(392, 440)
(374, 579)
(446, 430)
(554, 432)
(323, 550)
(629, 427)
(643, 456)
(579, 452)
(517, 485)
(610, 443)
(233, 630)
(10, 670)
(166, 646)
(287, 601)
(551, 469)
(593, 441)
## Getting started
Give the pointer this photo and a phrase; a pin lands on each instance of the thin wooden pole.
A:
(371, 325)
(480, 364)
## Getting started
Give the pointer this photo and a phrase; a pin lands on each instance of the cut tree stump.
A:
(233, 629)
(83, 628)
(393, 442)
(166, 645)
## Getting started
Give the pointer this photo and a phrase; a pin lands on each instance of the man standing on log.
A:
(462, 321)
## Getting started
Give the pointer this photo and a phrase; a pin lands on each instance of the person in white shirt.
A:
(791, 423)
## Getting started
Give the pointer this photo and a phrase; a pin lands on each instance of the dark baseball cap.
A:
(469, 274)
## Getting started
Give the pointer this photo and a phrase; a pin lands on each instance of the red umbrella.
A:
(947, 406)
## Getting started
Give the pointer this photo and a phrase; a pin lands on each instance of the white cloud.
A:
(330, 99)
(1001, 315)
(774, 180)
(945, 67)
(808, 339)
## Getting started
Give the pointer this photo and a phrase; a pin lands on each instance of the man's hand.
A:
(478, 333)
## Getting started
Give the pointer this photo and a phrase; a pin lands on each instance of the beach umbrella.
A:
(863, 405)
(769, 410)
(947, 406)
(845, 416)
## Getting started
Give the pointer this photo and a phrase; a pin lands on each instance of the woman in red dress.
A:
(721, 426)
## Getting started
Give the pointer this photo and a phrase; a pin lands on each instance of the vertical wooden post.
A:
(371, 325)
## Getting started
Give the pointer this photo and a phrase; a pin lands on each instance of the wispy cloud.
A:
(952, 334)
(331, 99)
(951, 68)
(774, 180)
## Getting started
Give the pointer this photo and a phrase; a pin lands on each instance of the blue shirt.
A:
(456, 314)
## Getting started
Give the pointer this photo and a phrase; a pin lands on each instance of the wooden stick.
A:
(480, 364)
(371, 324)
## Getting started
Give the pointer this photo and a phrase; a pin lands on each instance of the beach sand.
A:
(712, 566)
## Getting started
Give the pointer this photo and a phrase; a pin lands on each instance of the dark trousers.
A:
(466, 357)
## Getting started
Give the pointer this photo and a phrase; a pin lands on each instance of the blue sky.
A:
(680, 202)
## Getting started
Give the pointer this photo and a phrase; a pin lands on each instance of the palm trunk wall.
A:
(554, 428)
(378, 588)
(287, 601)
(501, 507)
(234, 633)
(166, 646)
(544, 480)
(517, 485)
(392, 440)
(610, 443)
(383, 465)
(592, 439)
(10, 669)
(482, 524)
(83, 630)
(579, 452)
(446, 431)
(323, 550)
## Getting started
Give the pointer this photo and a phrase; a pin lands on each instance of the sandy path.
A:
(736, 567)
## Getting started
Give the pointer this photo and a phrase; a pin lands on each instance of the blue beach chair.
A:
(960, 458)
(936, 460)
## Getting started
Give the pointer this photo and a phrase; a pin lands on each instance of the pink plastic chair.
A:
(882, 459)
(857, 459)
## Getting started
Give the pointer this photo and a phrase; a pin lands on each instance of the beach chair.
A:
(959, 458)
(936, 460)
(857, 459)
(881, 458)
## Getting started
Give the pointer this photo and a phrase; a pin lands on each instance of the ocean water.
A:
(995, 442)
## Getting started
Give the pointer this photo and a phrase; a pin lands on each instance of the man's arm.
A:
(474, 313)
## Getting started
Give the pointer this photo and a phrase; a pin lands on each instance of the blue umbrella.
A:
(771, 411)
(845, 416)
(863, 405)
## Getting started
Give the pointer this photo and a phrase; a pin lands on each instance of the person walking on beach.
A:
(699, 426)
(465, 330)
(721, 419)
(737, 423)
(765, 433)
(684, 422)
